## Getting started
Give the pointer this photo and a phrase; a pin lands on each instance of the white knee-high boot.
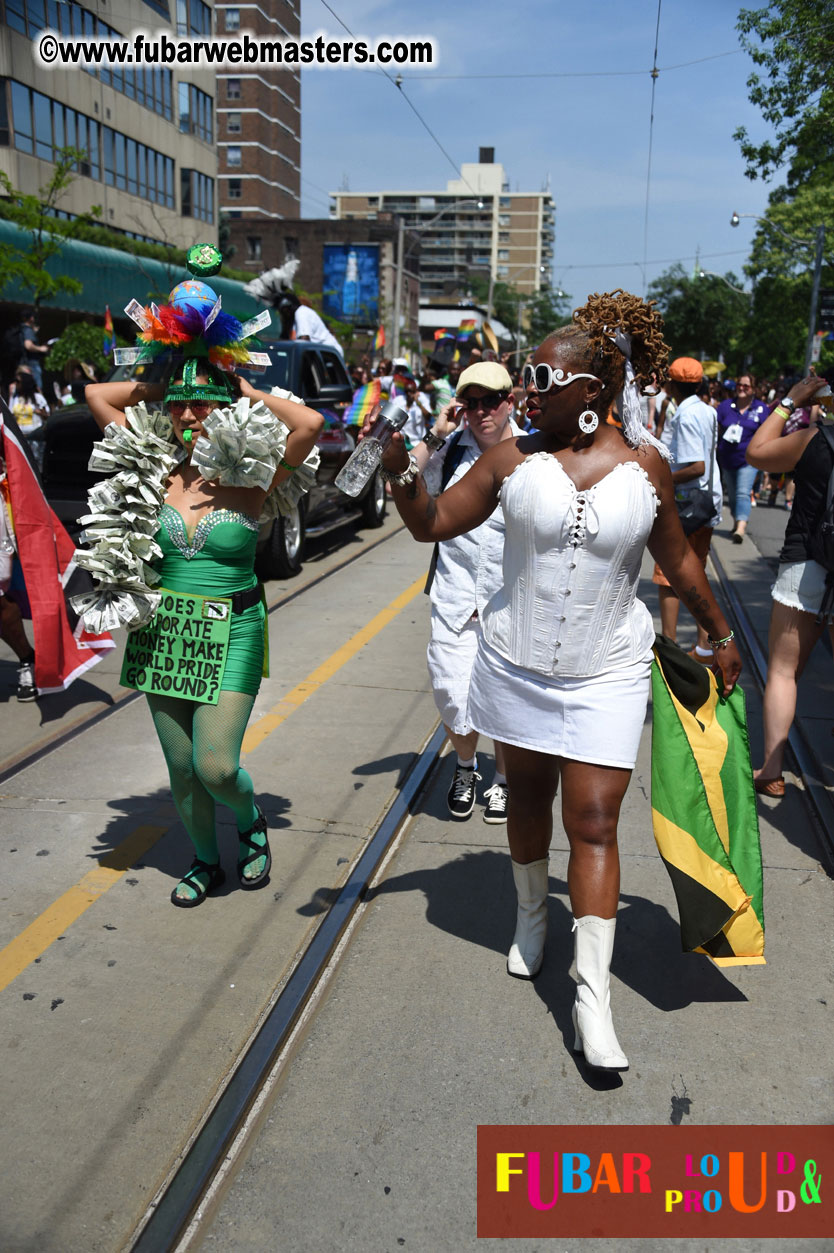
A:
(527, 951)
(595, 1036)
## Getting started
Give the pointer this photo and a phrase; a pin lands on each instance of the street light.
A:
(398, 290)
(815, 286)
(748, 295)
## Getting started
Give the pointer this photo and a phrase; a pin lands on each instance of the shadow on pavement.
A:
(173, 856)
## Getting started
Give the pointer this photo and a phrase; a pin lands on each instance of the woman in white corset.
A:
(562, 673)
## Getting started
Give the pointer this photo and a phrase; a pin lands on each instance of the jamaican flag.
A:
(704, 809)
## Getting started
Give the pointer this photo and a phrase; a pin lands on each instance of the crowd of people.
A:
(540, 483)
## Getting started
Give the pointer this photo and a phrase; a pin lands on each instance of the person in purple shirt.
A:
(738, 421)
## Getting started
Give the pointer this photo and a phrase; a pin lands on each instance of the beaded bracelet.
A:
(285, 465)
(721, 643)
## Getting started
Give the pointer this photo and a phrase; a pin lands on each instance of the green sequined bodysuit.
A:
(218, 560)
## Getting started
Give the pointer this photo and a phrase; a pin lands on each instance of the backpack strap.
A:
(453, 458)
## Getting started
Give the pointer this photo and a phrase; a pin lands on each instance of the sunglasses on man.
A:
(200, 408)
(489, 402)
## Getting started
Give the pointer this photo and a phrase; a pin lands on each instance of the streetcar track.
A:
(50, 744)
(226, 1123)
(174, 1218)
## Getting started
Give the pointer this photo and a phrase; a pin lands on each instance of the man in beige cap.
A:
(692, 447)
(466, 571)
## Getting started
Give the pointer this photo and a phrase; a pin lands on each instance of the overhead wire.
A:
(397, 82)
(681, 65)
(655, 75)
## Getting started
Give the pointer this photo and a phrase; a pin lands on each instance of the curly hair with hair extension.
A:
(590, 332)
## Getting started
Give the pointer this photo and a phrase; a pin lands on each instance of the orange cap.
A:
(686, 370)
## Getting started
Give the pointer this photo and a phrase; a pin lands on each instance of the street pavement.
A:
(369, 1140)
(118, 1032)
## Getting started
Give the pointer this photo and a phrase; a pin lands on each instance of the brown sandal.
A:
(770, 787)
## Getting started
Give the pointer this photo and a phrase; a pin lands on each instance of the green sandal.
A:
(258, 850)
(216, 879)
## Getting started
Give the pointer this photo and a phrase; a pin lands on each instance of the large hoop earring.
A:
(588, 422)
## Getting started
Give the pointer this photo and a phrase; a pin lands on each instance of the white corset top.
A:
(572, 558)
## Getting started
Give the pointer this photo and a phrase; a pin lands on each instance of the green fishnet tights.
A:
(202, 744)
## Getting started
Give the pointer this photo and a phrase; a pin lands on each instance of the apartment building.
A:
(148, 133)
(258, 128)
(475, 225)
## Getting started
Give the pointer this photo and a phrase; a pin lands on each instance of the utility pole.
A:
(398, 290)
(815, 296)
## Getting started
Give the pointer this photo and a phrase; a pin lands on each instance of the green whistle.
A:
(187, 436)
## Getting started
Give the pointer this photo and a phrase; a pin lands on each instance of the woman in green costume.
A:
(207, 531)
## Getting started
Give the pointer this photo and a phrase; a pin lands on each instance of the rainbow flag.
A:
(109, 342)
(400, 379)
(379, 341)
(443, 334)
(364, 399)
(466, 330)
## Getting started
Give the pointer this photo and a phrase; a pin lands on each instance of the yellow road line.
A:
(40, 934)
(54, 920)
(288, 704)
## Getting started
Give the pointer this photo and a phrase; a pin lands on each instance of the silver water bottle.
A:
(362, 464)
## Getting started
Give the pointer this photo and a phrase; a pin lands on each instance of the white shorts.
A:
(598, 719)
(800, 585)
(450, 655)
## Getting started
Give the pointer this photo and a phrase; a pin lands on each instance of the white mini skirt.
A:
(450, 656)
(800, 585)
(597, 719)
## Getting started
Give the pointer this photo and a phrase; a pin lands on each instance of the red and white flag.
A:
(63, 648)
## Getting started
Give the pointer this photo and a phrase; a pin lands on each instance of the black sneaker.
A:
(461, 795)
(26, 689)
(496, 804)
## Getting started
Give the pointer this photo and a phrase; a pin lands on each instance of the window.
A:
(233, 155)
(334, 369)
(196, 195)
(233, 19)
(22, 117)
(503, 254)
(4, 115)
(253, 247)
(199, 18)
(195, 110)
(235, 189)
(183, 107)
(290, 246)
(132, 166)
(233, 89)
(233, 123)
(185, 193)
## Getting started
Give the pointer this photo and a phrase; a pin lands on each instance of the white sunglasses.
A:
(543, 377)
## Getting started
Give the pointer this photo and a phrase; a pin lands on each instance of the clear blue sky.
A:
(590, 135)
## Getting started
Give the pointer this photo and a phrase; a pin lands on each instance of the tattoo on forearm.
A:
(413, 489)
(431, 508)
(700, 609)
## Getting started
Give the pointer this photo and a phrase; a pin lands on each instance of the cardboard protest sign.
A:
(182, 651)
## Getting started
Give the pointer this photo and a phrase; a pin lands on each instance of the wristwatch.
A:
(433, 442)
(788, 404)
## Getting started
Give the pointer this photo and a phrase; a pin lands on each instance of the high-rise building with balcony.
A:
(147, 133)
(475, 225)
(258, 127)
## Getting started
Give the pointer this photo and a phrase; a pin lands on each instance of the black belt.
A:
(245, 600)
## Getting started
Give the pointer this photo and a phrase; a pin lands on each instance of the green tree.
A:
(792, 41)
(80, 341)
(703, 316)
(36, 214)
